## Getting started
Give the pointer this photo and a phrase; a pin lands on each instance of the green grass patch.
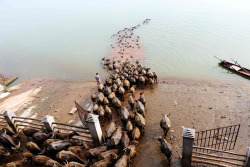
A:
(5, 89)
(223, 116)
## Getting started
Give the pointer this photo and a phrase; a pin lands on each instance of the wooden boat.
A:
(235, 68)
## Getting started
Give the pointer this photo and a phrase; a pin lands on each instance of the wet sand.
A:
(39, 97)
(134, 52)
(192, 104)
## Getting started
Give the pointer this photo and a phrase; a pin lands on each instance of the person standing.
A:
(97, 78)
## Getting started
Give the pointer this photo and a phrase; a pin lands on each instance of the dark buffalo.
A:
(63, 136)
(33, 148)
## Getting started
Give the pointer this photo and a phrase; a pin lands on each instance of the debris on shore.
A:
(7, 81)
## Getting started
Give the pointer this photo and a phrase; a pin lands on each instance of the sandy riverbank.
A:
(193, 104)
(39, 97)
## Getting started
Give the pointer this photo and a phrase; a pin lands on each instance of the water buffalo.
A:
(131, 150)
(136, 72)
(132, 80)
(79, 150)
(122, 78)
(105, 101)
(33, 148)
(100, 87)
(62, 135)
(101, 113)
(142, 98)
(121, 91)
(140, 107)
(155, 77)
(108, 112)
(28, 132)
(108, 82)
(132, 114)
(122, 162)
(140, 122)
(9, 131)
(117, 104)
(93, 97)
(141, 80)
(150, 81)
(131, 102)
(95, 107)
(100, 97)
(143, 72)
(52, 163)
(125, 140)
(124, 115)
(110, 130)
(73, 164)
(126, 84)
(125, 75)
(60, 145)
(129, 126)
(111, 96)
(110, 67)
(136, 134)
(150, 74)
(95, 152)
(115, 76)
(49, 141)
(118, 82)
(8, 142)
(4, 153)
(19, 163)
(107, 154)
(27, 156)
(165, 124)
(68, 156)
(107, 90)
(165, 148)
(114, 87)
(105, 162)
(40, 160)
(116, 137)
(40, 137)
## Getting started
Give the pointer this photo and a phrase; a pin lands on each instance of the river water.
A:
(66, 39)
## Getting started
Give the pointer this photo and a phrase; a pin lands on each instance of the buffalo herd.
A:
(121, 111)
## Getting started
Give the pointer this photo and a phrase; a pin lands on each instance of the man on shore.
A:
(97, 78)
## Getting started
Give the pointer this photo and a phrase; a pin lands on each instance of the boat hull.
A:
(236, 69)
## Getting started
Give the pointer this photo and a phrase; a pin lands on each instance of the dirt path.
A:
(197, 105)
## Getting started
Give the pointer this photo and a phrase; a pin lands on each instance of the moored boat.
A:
(235, 68)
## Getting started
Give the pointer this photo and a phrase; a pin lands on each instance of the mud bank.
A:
(192, 104)
(39, 97)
